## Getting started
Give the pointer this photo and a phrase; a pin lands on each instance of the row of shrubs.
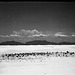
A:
(13, 56)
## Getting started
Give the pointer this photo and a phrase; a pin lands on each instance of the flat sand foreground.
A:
(49, 66)
(36, 48)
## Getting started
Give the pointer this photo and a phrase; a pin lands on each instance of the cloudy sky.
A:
(53, 21)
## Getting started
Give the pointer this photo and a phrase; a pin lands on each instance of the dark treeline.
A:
(37, 42)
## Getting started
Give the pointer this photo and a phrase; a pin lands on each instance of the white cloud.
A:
(4, 36)
(29, 33)
(24, 33)
(14, 35)
(61, 34)
(35, 33)
(73, 34)
(39, 35)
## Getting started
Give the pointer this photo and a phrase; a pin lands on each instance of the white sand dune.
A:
(49, 66)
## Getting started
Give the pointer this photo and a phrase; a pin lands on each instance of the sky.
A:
(24, 21)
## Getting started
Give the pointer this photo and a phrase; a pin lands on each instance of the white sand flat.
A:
(50, 66)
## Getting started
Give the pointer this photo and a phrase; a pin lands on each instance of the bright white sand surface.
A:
(49, 66)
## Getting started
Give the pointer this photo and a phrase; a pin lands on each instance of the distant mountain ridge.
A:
(11, 43)
(44, 42)
(39, 42)
(36, 42)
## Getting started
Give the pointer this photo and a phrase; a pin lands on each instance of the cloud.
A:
(40, 35)
(35, 33)
(73, 34)
(61, 34)
(29, 33)
(15, 34)
(24, 33)
(4, 36)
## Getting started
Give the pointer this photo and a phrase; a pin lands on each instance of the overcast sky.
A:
(46, 18)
